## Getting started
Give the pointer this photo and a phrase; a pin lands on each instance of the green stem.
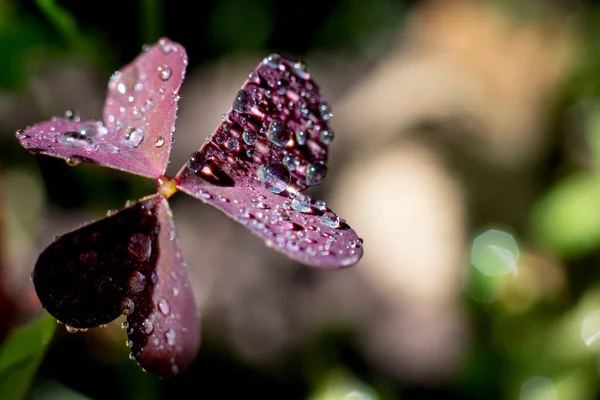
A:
(150, 20)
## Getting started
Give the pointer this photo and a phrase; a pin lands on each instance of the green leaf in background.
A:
(21, 37)
(21, 354)
(53, 390)
(229, 28)
(567, 219)
(67, 27)
(151, 20)
(341, 385)
(359, 24)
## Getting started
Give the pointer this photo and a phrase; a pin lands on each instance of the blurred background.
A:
(467, 156)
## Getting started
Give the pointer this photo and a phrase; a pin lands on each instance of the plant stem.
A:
(150, 20)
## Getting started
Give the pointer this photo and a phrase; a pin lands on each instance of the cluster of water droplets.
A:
(299, 224)
(277, 122)
(134, 96)
(131, 97)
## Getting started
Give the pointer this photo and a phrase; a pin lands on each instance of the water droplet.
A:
(75, 140)
(147, 327)
(291, 162)
(124, 325)
(103, 326)
(243, 102)
(325, 111)
(73, 161)
(163, 306)
(170, 336)
(320, 205)
(330, 219)
(71, 329)
(278, 133)
(272, 61)
(164, 72)
(129, 344)
(232, 143)
(121, 88)
(249, 137)
(316, 173)
(133, 137)
(301, 137)
(195, 162)
(299, 69)
(275, 177)
(159, 142)
(327, 136)
(131, 356)
(140, 247)
(73, 115)
(250, 153)
(301, 203)
(128, 306)
(109, 148)
(166, 46)
(93, 130)
(137, 282)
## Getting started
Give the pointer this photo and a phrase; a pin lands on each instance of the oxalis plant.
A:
(269, 147)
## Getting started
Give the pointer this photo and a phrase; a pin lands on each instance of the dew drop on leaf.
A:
(133, 137)
(164, 72)
(330, 219)
(315, 173)
(326, 136)
(301, 203)
(140, 247)
(75, 140)
(137, 282)
(243, 102)
(195, 162)
(301, 137)
(320, 205)
(249, 137)
(275, 177)
(73, 161)
(278, 133)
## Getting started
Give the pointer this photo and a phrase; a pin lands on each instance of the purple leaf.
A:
(270, 147)
(128, 263)
(303, 229)
(273, 144)
(164, 330)
(139, 118)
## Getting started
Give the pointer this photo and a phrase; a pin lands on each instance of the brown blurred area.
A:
(446, 130)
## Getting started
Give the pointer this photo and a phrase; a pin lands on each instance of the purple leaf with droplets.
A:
(164, 328)
(128, 263)
(292, 224)
(138, 121)
(272, 144)
(279, 117)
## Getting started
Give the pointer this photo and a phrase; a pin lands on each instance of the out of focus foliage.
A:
(467, 154)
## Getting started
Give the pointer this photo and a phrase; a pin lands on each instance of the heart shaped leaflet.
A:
(270, 146)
